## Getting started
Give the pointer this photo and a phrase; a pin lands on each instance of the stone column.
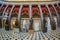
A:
(52, 21)
(4, 10)
(30, 11)
(57, 15)
(30, 17)
(3, 15)
(31, 30)
(19, 17)
(49, 13)
(1, 6)
(42, 22)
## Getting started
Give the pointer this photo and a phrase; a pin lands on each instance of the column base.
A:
(44, 30)
(53, 28)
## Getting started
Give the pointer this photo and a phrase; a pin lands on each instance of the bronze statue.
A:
(44, 25)
(53, 24)
(31, 24)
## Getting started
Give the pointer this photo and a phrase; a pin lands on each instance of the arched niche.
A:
(14, 17)
(25, 18)
(36, 19)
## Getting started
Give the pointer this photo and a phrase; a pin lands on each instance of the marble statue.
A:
(48, 24)
(24, 28)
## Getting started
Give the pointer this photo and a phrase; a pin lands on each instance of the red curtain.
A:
(25, 11)
(52, 10)
(35, 10)
(9, 9)
(3, 8)
(44, 10)
(16, 10)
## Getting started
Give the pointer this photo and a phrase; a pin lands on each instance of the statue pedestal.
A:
(16, 30)
(24, 30)
(31, 31)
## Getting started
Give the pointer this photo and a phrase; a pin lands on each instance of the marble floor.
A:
(11, 35)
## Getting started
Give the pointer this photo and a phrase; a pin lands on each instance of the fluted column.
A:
(4, 10)
(11, 11)
(59, 15)
(41, 14)
(49, 13)
(1, 18)
(3, 15)
(19, 17)
(56, 14)
(30, 12)
(30, 17)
